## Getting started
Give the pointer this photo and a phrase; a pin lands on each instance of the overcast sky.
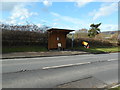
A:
(70, 14)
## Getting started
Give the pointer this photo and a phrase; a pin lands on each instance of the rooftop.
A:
(63, 30)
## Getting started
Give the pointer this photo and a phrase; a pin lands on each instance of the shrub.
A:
(21, 38)
(92, 42)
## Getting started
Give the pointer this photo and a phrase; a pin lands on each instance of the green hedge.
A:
(92, 42)
(21, 38)
(24, 38)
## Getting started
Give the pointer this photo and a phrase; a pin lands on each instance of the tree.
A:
(94, 30)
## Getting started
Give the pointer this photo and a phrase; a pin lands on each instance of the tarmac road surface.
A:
(21, 64)
(48, 72)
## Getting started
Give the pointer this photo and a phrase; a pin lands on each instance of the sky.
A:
(70, 14)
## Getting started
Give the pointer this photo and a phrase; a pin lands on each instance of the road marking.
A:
(67, 65)
(112, 59)
(115, 86)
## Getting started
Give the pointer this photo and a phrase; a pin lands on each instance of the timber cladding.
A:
(56, 37)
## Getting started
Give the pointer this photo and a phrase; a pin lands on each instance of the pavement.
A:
(41, 54)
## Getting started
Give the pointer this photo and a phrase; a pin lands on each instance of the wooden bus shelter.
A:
(57, 38)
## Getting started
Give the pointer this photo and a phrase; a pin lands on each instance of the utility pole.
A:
(72, 40)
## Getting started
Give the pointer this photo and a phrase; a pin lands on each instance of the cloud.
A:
(45, 9)
(92, 0)
(75, 23)
(55, 14)
(8, 6)
(20, 0)
(21, 12)
(59, 0)
(39, 25)
(54, 24)
(69, 22)
(47, 3)
(56, 19)
(109, 27)
(104, 10)
(67, 18)
(9, 21)
(80, 3)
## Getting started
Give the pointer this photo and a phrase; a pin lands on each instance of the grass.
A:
(23, 49)
(109, 49)
(99, 49)
(39, 49)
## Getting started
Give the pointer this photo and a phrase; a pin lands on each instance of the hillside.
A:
(110, 32)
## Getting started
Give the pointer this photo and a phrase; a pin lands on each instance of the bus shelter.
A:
(57, 38)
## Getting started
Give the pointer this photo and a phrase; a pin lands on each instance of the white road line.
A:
(112, 59)
(115, 86)
(67, 65)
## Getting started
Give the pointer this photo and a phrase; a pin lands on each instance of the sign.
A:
(57, 38)
(59, 45)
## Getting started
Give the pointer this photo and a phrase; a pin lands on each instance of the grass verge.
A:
(39, 49)
(23, 49)
(99, 49)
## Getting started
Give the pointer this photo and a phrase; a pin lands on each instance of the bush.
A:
(92, 42)
(21, 38)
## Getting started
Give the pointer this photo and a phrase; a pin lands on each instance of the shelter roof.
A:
(61, 30)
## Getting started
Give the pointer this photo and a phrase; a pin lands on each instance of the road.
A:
(52, 71)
